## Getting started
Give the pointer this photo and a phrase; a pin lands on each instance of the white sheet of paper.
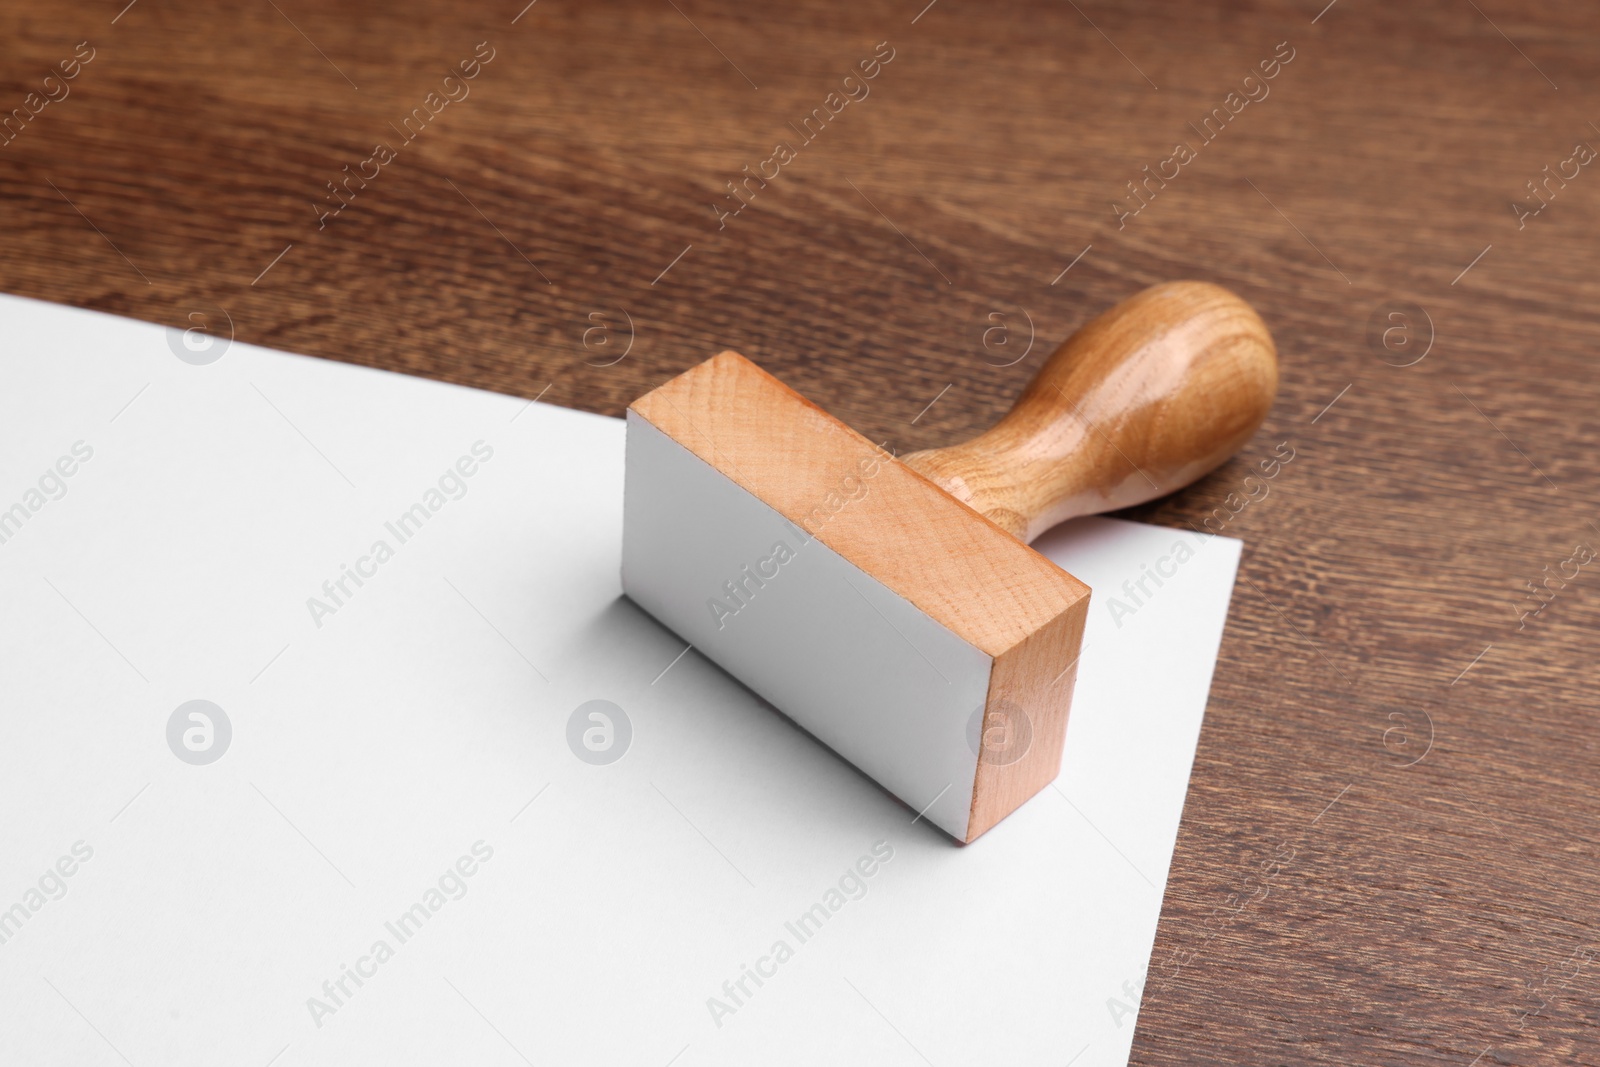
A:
(425, 714)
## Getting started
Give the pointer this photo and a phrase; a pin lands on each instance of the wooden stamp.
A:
(892, 607)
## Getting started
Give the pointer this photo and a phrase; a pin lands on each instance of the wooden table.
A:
(1389, 849)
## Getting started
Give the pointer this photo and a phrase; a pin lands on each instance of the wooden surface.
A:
(968, 575)
(1389, 849)
(1143, 400)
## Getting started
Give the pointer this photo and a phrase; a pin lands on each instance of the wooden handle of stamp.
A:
(1148, 397)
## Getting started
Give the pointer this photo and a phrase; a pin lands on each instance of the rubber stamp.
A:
(891, 606)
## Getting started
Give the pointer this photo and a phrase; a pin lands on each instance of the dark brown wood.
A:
(1389, 849)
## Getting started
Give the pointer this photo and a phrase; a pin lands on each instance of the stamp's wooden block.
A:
(891, 607)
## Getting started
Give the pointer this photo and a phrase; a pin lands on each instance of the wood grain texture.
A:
(891, 522)
(954, 565)
(1389, 845)
(1140, 402)
(1025, 716)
